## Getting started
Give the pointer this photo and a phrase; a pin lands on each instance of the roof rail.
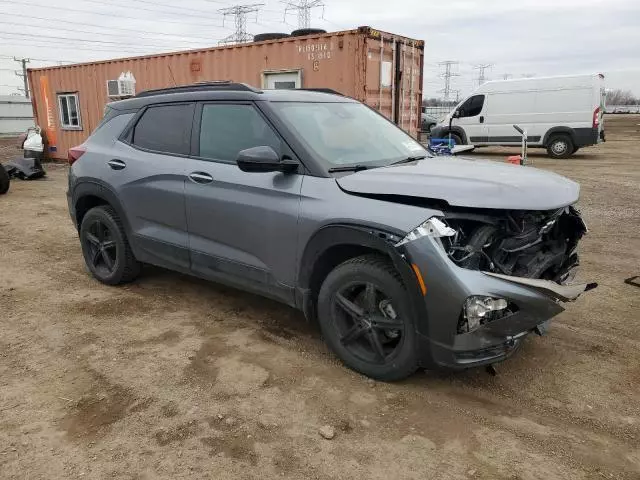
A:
(322, 90)
(201, 86)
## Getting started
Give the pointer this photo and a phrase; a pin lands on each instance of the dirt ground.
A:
(173, 377)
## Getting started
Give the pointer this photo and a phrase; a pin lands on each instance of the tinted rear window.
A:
(165, 128)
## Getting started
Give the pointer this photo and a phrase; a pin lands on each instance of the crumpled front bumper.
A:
(447, 288)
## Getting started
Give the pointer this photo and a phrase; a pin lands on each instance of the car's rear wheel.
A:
(560, 146)
(4, 180)
(365, 318)
(105, 247)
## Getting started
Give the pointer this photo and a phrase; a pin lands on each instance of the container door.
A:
(282, 80)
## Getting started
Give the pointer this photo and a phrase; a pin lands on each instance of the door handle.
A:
(481, 119)
(201, 178)
(116, 164)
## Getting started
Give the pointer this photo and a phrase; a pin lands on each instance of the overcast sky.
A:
(518, 37)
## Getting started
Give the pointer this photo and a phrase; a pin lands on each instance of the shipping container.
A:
(381, 69)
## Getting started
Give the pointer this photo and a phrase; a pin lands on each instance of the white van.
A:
(561, 114)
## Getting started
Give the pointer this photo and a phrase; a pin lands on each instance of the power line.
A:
(86, 40)
(35, 43)
(447, 75)
(240, 13)
(110, 28)
(303, 8)
(111, 15)
(75, 39)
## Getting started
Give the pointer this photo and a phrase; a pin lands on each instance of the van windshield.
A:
(343, 134)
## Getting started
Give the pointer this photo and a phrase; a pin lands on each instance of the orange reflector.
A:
(423, 287)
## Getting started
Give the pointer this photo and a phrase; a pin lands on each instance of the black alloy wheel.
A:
(101, 247)
(368, 324)
(365, 315)
(105, 247)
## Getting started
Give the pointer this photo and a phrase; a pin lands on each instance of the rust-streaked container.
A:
(381, 69)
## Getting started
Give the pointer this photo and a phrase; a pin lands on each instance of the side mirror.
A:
(264, 159)
(458, 113)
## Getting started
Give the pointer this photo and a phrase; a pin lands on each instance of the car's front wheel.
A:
(105, 247)
(365, 318)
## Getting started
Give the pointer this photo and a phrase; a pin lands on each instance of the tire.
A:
(307, 31)
(560, 146)
(123, 266)
(5, 182)
(263, 37)
(455, 137)
(397, 357)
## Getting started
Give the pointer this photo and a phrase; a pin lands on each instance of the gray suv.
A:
(405, 260)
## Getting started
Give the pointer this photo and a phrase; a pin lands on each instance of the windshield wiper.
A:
(409, 160)
(350, 168)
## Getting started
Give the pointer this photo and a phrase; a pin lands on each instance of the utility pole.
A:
(23, 74)
(447, 74)
(304, 8)
(240, 13)
(481, 68)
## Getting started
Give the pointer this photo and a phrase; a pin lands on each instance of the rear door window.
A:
(165, 128)
(227, 129)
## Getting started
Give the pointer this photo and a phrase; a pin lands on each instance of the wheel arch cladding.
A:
(556, 131)
(87, 195)
(334, 244)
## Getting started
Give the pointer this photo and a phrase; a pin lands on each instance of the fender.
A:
(97, 188)
(568, 130)
(454, 129)
(358, 236)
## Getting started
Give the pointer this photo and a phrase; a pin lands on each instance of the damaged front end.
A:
(539, 245)
(492, 277)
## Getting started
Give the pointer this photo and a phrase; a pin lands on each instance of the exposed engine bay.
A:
(530, 244)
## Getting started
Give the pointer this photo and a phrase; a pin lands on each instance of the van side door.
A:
(471, 119)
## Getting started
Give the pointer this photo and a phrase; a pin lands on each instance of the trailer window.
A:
(69, 108)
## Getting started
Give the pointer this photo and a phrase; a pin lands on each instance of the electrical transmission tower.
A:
(304, 8)
(23, 74)
(447, 74)
(240, 12)
(481, 69)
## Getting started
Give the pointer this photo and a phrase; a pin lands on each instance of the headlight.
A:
(479, 309)
(431, 228)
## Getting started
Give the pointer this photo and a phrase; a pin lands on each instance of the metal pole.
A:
(381, 72)
(24, 62)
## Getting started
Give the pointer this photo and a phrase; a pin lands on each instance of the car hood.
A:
(467, 183)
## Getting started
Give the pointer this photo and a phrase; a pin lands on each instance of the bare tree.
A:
(621, 97)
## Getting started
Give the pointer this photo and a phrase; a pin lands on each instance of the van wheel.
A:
(456, 138)
(364, 315)
(560, 146)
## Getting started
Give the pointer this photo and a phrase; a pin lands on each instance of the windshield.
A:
(348, 134)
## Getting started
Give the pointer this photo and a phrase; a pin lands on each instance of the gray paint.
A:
(468, 183)
(251, 230)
